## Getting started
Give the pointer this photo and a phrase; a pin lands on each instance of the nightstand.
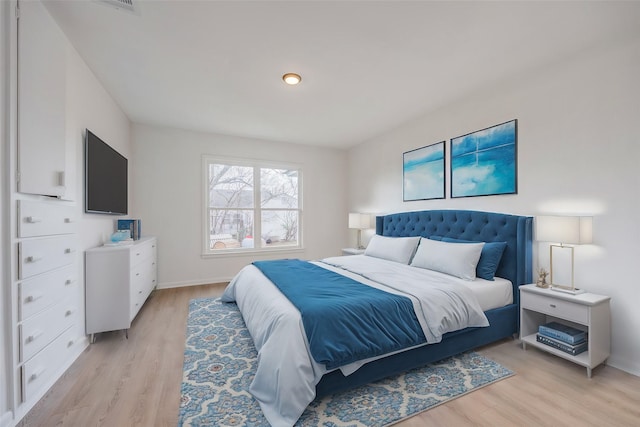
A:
(587, 312)
(352, 251)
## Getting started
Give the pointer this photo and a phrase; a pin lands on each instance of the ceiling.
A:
(366, 66)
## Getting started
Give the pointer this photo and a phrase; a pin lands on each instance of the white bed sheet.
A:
(492, 294)
(287, 375)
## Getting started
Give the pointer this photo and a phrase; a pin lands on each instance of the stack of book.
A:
(133, 225)
(562, 337)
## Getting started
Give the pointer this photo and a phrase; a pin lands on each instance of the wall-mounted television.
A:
(105, 174)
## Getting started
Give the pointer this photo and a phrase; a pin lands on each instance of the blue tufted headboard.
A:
(516, 264)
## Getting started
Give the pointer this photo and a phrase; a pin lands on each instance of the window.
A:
(251, 206)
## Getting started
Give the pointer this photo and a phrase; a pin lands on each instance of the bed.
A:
(288, 378)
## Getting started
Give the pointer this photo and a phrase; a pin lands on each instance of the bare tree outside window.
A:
(245, 202)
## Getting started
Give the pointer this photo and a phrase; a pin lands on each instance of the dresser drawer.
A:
(45, 219)
(574, 312)
(42, 291)
(40, 255)
(40, 370)
(137, 302)
(142, 252)
(40, 329)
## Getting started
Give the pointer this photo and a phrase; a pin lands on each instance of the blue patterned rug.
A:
(220, 361)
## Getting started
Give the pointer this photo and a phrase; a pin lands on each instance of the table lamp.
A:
(359, 222)
(563, 230)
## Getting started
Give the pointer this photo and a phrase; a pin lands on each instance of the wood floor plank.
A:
(119, 382)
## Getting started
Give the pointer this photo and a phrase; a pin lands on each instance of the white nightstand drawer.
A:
(555, 307)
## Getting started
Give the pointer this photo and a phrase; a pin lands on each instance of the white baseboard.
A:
(169, 285)
(628, 366)
(7, 419)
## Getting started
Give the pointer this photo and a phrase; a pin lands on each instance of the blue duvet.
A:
(344, 320)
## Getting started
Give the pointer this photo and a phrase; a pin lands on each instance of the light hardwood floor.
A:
(136, 382)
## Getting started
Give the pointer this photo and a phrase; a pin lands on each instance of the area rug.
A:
(220, 362)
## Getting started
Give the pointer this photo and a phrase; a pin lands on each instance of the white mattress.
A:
(491, 294)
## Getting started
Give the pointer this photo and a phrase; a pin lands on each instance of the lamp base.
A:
(567, 290)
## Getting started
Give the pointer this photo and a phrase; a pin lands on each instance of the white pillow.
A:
(398, 249)
(456, 259)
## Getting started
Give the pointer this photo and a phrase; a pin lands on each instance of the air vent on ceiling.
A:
(127, 5)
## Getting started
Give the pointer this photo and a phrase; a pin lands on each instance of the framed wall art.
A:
(423, 173)
(484, 163)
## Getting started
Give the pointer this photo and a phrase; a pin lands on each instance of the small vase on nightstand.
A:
(542, 278)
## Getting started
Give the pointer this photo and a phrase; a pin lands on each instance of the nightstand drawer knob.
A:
(552, 305)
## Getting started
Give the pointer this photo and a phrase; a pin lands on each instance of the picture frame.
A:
(423, 173)
(484, 162)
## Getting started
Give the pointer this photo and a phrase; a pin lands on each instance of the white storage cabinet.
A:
(47, 304)
(118, 280)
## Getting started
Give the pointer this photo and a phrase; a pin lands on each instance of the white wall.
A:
(578, 153)
(89, 106)
(168, 192)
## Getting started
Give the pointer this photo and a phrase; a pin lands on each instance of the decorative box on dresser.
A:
(588, 312)
(118, 280)
(48, 303)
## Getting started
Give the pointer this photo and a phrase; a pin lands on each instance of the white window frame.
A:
(207, 160)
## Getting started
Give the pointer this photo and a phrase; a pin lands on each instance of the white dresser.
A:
(47, 288)
(118, 280)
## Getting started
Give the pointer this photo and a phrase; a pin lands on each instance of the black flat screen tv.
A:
(105, 172)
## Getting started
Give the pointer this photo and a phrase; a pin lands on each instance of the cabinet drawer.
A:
(40, 329)
(37, 372)
(555, 307)
(40, 255)
(45, 219)
(142, 252)
(137, 301)
(42, 291)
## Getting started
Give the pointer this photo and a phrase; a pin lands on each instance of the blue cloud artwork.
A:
(423, 173)
(485, 162)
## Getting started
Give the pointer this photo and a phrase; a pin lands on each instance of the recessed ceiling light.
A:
(291, 78)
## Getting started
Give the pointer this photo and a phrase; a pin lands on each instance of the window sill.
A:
(251, 252)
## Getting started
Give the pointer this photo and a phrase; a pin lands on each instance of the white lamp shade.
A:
(573, 230)
(359, 221)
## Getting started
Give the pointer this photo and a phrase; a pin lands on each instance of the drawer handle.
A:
(68, 220)
(137, 253)
(36, 374)
(34, 336)
(68, 313)
(33, 219)
(69, 282)
(552, 305)
(70, 343)
(34, 297)
(139, 292)
(34, 258)
(69, 250)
